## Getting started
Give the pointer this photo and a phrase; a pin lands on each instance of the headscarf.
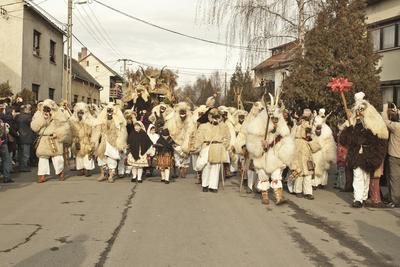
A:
(154, 137)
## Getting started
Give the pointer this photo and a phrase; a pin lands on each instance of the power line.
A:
(108, 38)
(179, 33)
(102, 36)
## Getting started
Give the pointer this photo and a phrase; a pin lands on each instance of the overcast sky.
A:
(140, 42)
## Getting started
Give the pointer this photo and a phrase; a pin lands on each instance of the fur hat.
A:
(213, 112)
(118, 116)
(307, 112)
(182, 106)
(358, 97)
(210, 102)
(322, 112)
(48, 103)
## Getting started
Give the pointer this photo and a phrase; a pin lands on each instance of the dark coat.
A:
(165, 146)
(23, 125)
(373, 148)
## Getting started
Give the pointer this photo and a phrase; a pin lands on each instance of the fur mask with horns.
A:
(114, 113)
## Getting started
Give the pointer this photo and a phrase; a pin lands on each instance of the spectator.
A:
(4, 154)
(391, 118)
(25, 137)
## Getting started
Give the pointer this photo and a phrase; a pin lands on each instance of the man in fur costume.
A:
(53, 130)
(324, 158)
(303, 166)
(82, 124)
(271, 147)
(180, 127)
(159, 115)
(197, 113)
(231, 164)
(240, 146)
(110, 140)
(141, 100)
(366, 138)
(213, 137)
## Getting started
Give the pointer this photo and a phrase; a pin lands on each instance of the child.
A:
(165, 150)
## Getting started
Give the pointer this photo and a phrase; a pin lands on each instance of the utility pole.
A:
(226, 90)
(125, 60)
(69, 54)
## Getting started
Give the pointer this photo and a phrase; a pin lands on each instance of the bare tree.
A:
(260, 24)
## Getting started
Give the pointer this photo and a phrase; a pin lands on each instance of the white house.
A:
(109, 79)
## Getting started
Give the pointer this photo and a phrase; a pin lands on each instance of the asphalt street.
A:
(81, 222)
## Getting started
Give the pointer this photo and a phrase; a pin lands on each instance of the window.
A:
(87, 63)
(35, 90)
(83, 99)
(51, 93)
(75, 99)
(89, 100)
(97, 68)
(376, 39)
(52, 51)
(388, 37)
(36, 43)
(95, 101)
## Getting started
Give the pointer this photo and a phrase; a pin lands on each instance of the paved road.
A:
(81, 222)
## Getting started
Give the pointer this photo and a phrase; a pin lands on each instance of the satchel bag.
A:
(217, 153)
(202, 159)
(310, 165)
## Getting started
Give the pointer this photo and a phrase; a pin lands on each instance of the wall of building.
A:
(101, 74)
(11, 45)
(383, 10)
(84, 91)
(39, 70)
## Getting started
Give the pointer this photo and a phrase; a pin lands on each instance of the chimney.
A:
(82, 54)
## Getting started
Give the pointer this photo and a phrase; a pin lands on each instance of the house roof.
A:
(45, 18)
(105, 65)
(280, 59)
(79, 72)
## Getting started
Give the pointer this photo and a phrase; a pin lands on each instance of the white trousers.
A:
(84, 163)
(263, 180)
(121, 164)
(165, 174)
(194, 160)
(251, 178)
(360, 184)
(321, 180)
(44, 165)
(137, 173)
(181, 162)
(303, 184)
(210, 175)
(111, 163)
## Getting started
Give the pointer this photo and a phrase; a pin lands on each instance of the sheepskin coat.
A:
(280, 154)
(57, 125)
(181, 130)
(325, 157)
(303, 150)
(82, 131)
(219, 134)
(112, 131)
(365, 149)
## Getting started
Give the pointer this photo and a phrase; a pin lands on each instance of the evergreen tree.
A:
(338, 46)
(243, 81)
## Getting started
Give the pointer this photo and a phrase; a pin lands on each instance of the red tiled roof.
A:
(280, 59)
